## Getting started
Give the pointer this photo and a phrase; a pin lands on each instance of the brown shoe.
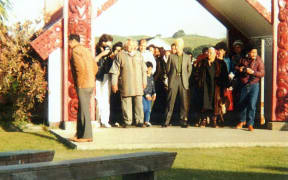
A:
(250, 128)
(239, 125)
(73, 139)
(203, 123)
(81, 139)
(215, 125)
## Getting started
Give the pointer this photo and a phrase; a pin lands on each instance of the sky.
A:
(140, 17)
(266, 3)
(23, 10)
(165, 17)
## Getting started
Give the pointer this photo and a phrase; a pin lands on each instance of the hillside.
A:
(192, 41)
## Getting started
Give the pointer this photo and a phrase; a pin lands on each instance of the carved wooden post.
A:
(280, 64)
(79, 22)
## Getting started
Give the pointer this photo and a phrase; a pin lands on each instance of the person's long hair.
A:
(103, 38)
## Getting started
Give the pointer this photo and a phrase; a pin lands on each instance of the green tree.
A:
(22, 76)
(179, 34)
(4, 5)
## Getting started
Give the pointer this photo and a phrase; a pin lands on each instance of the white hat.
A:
(238, 42)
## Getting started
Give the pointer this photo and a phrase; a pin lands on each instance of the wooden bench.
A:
(24, 157)
(134, 166)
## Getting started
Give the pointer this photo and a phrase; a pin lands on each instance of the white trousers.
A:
(103, 90)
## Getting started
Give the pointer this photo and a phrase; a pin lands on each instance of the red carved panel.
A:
(72, 92)
(50, 40)
(282, 63)
(260, 9)
(105, 6)
(79, 22)
(283, 35)
(73, 108)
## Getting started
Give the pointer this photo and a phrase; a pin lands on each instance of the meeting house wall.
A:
(266, 28)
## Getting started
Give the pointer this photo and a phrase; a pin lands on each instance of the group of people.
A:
(150, 77)
(222, 81)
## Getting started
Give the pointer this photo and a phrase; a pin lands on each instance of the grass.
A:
(261, 163)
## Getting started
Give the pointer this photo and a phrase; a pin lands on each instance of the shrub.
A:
(22, 76)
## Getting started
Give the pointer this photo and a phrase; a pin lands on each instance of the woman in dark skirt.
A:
(211, 79)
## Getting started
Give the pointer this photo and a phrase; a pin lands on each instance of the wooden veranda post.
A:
(280, 61)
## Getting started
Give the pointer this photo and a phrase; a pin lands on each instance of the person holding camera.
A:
(250, 69)
(103, 79)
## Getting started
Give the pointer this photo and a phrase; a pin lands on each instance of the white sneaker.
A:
(96, 124)
(148, 124)
(117, 124)
(107, 125)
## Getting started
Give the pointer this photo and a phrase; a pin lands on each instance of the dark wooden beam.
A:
(261, 10)
(233, 32)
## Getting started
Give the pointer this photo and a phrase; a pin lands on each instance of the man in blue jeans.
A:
(250, 70)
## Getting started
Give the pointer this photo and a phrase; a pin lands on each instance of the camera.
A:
(107, 48)
(245, 70)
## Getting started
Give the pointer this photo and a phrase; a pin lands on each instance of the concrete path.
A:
(175, 137)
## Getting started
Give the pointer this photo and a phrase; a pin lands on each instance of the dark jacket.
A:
(171, 69)
(150, 88)
(104, 65)
(256, 65)
(206, 88)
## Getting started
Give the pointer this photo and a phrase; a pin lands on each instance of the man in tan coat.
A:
(85, 68)
(131, 68)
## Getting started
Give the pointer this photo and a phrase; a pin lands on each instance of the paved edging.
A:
(175, 137)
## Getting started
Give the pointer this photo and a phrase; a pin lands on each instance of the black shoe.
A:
(164, 125)
(184, 125)
(124, 126)
(140, 125)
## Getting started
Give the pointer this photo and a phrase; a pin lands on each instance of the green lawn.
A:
(191, 164)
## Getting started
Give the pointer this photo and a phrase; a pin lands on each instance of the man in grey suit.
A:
(179, 69)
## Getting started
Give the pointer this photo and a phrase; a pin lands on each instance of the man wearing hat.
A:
(237, 51)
